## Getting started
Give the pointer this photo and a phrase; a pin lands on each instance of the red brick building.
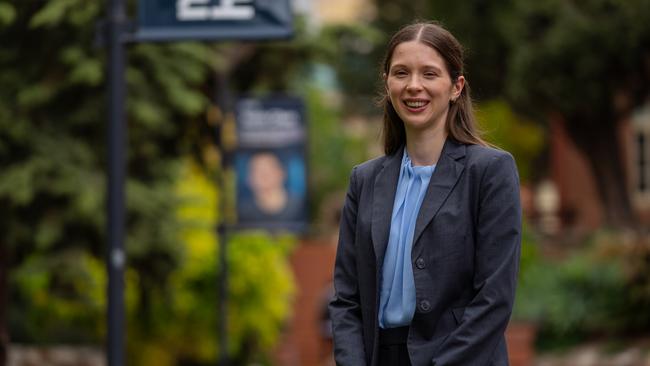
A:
(580, 206)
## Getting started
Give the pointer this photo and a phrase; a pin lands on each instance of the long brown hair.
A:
(461, 123)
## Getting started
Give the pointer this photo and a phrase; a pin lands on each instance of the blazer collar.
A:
(448, 170)
(444, 178)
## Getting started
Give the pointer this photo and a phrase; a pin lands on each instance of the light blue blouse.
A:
(397, 291)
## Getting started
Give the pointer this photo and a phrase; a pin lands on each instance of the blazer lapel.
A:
(382, 203)
(443, 180)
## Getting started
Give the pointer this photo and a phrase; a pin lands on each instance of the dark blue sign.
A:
(168, 20)
(270, 164)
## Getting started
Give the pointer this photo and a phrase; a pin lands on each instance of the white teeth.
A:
(416, 104)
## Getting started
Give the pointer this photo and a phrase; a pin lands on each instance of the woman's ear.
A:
(457, 87)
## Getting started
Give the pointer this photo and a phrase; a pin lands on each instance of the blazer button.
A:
(420, 264)
(424, 306)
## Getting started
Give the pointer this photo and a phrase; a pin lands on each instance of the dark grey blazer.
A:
(465, 259)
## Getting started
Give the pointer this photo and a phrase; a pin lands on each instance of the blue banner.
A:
(270, 164)
(169, 20)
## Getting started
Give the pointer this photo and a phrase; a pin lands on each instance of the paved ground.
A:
(636, 353)
(21, 355)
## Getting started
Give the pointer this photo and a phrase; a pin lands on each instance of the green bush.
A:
(261, 288)
(61, 297)
(597, 290)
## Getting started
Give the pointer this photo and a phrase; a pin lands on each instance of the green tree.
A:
(350, 51)
(477, 25)
(52, 122)
(521, 137)
(186, 314)
(586, 62)
(392, 15)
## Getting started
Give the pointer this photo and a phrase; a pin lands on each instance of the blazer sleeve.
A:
(345, 308)
(497, 251)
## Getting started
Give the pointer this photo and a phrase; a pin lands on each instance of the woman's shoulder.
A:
(370, 167)
(482, 155)
(371, 164)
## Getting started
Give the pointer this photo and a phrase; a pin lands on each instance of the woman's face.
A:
(265, 173)
(419, 86)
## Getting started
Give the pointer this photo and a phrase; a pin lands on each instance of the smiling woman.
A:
(430, 233)
(442, 57)
(420, 90)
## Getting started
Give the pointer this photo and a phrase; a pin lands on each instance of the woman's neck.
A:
(424, 147)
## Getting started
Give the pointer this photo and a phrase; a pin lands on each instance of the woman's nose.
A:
(414, 83)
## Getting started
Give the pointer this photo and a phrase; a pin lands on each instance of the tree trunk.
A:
(599, 140)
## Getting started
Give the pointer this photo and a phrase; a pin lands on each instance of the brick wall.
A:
(304, 343)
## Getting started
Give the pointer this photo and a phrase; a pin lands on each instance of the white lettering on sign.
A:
(193, 10)
(274, 127)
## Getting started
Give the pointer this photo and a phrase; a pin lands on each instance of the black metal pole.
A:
(116, 176)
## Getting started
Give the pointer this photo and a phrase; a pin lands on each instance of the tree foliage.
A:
(53, 112)
(586, 62)
(477, 25)
(185, 314)
(523, 138)
(52, 193)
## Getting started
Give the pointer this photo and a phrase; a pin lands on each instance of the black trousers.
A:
(392, 347)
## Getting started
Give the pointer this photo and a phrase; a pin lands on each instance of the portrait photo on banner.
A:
(270, 186)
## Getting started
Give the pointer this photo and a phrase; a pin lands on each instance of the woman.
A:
(430, 233)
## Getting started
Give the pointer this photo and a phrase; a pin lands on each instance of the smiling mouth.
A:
(415, 103)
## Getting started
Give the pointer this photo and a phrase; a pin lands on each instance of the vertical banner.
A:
(270, 164)
(166, 20)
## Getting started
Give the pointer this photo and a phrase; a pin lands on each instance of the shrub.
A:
(601, 289)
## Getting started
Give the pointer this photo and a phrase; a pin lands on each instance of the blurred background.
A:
(563, 85)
